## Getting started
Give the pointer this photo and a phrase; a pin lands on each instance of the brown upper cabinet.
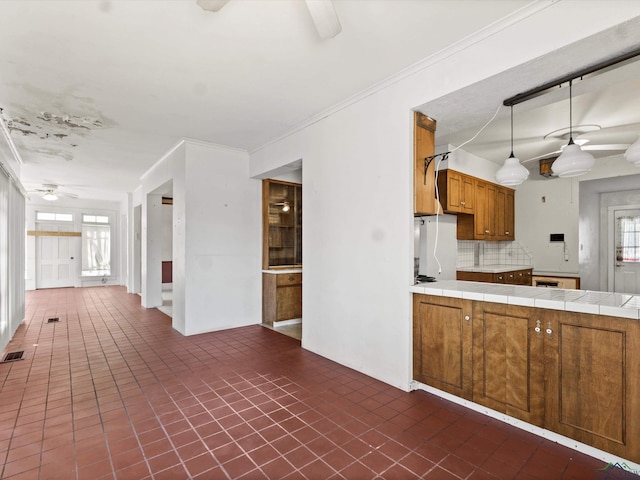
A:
(424, 178)
(486, 211)
(282, 224)
(456, 191)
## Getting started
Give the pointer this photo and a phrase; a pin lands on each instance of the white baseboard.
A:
(541, 432)
(282, 323)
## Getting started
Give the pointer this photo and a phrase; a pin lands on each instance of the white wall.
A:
(216, 237)
(570, 211)
(223, 245)
(358, 226)
(167, 232)
(595, 198)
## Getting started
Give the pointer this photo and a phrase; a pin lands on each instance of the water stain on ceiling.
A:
(52, 124)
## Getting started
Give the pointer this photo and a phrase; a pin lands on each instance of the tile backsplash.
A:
(477, 252)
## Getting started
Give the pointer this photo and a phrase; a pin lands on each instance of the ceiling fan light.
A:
(324, 17)
(50, 196)
(511, 173)
(573, 161)
(633, 153)
(211, 5)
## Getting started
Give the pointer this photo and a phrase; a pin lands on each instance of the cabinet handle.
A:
(462, 203)
(537, 329)
(506, 233)
(549, 331)
(486, 231)
(467, 318)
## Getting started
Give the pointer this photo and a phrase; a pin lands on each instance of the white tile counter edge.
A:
(580, 301)
(278, 272)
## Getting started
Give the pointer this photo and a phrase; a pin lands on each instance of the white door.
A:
(55, 258)
(626, 256)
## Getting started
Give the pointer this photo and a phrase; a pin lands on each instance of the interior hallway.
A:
(112, 391)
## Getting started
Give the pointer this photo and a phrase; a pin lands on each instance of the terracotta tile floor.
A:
(111, 391)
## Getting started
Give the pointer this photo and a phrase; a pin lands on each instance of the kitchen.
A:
(561, 224)
(553, 361)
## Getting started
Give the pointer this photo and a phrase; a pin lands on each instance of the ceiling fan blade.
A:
(211, 5)
(68, 195)
(529, 161)
(610, 147)
(325, 18)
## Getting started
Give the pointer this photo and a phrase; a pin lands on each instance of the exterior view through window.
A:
(629, 234)
(96, 246)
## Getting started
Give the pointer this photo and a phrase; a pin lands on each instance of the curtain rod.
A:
(601, 67)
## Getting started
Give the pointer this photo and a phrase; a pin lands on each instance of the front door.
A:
(626, 256)
(55, 257)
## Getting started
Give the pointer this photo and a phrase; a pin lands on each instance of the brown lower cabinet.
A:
(572, 373)
(511, 277)
(281, 297)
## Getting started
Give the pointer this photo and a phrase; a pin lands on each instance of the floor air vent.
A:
(53, 320)
(13, 356)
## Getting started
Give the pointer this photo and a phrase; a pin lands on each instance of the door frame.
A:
(611, 247)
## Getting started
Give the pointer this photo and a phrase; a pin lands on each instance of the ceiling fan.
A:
(322, 12)
(599, 142)
(51, 192)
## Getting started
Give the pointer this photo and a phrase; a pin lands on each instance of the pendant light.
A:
(512, 172)
(573, 161)
(633, 153)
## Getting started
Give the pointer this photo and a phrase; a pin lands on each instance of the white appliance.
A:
(439, 233)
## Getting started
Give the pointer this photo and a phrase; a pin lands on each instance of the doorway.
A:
(56, 247)
(624, 250)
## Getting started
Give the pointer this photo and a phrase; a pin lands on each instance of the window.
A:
(56, 217)
(628, 249)
(95, 219)
(96, 246)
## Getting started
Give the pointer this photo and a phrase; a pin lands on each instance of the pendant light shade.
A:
(573, 161)
(511, 173)
(633, 153)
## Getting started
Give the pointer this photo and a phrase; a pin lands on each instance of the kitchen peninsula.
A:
(567, 361)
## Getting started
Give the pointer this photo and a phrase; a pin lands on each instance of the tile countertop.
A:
(278, 272)
(493, 268)
(582, 301)
(542, 273)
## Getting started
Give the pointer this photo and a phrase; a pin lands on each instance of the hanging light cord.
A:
(512, 155)
(570, 114)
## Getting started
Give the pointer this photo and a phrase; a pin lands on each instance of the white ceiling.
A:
(608, 99)
(96, 91)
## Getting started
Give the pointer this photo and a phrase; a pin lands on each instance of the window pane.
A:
(89, 218)
(45, 216)
(64, 217)
(628, 250)
(100, 219)
(96, 250)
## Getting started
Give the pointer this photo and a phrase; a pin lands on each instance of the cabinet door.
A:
(481, 211)
(424, 182)
(500, 206)
(468, 193)
(281, 224)
(442, 343)
(508, 361)
(593, 393)
(455, 201)
(509, 215)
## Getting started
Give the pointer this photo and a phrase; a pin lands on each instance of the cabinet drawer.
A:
(283, 279)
